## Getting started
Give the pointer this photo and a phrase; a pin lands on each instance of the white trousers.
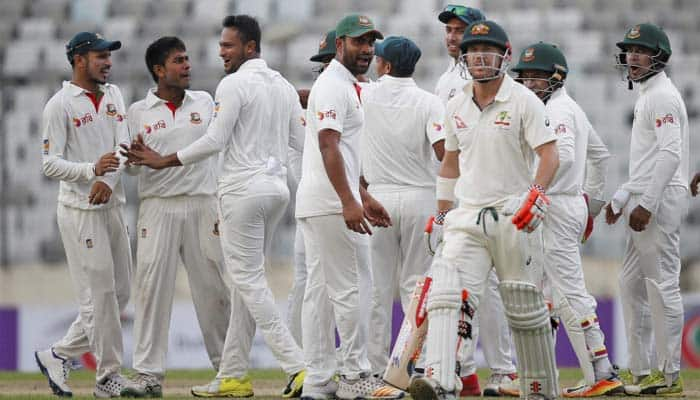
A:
(338, 284)
(654, 254)
(171, 229)
(99, 260)
(399, 257)
(296, 294)
(248, 224)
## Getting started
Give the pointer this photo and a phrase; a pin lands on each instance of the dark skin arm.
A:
(138, 153)
(639, 218)
(610, 217)
(353, 212)
(439, 149)
(694, 184)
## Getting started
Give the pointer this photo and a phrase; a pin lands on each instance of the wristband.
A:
(445, 188)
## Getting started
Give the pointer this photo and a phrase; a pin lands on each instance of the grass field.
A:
(267, 384)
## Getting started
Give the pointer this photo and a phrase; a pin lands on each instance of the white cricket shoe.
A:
(325, 391)
(111, 386)
(56, 369)
(502, 385)
(367, 388)
(142, 385)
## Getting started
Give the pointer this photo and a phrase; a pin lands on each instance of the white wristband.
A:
(445, 188)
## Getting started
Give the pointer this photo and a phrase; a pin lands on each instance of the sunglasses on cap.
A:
(458, 10)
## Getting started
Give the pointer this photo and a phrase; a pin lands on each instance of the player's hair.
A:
(247, 27)
(158, 51)
(403, 73)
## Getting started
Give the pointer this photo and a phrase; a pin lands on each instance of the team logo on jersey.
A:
(80, 121)
(321, 115)
(480, 29)
(666, 119)
(144, 232)
(158, 125)
(634, 33)
(437, 126)
(503, 119)
(111, 110)
(88, 243)
(147, 129)
(195, 118)
(529, 54)
(46, 147)
(459, 123)
(364, 21)
(560, 129)
(216, 228)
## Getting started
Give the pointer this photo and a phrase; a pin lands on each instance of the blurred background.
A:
(36, 298)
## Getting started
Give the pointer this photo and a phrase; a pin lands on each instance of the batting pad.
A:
(573, 324)
(528, 318)
(444, 304)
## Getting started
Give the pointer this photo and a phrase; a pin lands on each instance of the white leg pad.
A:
(529, 321)
(444, 304)
(574, 325)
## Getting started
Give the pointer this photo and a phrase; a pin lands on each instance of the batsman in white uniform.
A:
(405, 122)
(178, 220)
(257, 116)
(653, 202)
(496, 344)
(575, 193)
(494, 128)
(333, 210)
(82, 127)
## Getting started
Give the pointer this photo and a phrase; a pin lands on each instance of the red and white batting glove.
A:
(531, 213)
(433, 231)
(589, 222)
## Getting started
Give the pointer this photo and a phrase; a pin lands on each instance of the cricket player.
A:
(82, 127)
(405, 122)
(491, 317)
(326, 53)
(256, 118)
(177, 220)
(575, 195)
(653, 201)
(494, 128)
(333, 211)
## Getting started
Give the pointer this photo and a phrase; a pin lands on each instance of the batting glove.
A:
(532, 210)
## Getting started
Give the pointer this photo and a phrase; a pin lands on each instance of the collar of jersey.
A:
(503, 92)
(653, 81)
(152, 100)
(339, 69)
(393, 80)
(75, 90)
(253, 63)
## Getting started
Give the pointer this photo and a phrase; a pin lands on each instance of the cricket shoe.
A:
(56, 369)
(502, 385)
(655, 384)
(425, 388)
(295, 385)
(142, 386)
(325, 391)
(470, 386)
(611, 386)
(367, 388)
(225, 387)
(109, 387)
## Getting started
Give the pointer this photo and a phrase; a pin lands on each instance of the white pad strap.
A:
(444, 304)
(528, 318)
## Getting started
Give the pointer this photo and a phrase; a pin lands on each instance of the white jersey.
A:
(496, 145)
(660, 129)
(76, 132)
(166, 131)
(582, 154)
(451, 81)
(257, 116)
(402, 122)
(334, 103)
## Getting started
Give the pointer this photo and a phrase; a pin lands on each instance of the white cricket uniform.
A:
(337, 259)
(295, 299)
(257, 116)
(496, 166)
(491, 315)
(403, 121)
(582, 156)
(76, 132)
(178, 220)
(658, 181)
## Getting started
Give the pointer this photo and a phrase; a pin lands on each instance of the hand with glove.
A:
(433, 231)
(594, 207)
(532, 210)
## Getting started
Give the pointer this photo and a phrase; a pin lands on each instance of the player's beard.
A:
(351, 63)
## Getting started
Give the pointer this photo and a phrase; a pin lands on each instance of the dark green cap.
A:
(484, 32)
(646, 35)
(542, 57)
(356, 25)
(88, 41)
(326, 47)
(400, 52)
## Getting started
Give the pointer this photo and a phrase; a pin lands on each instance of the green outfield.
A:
(266, 383)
